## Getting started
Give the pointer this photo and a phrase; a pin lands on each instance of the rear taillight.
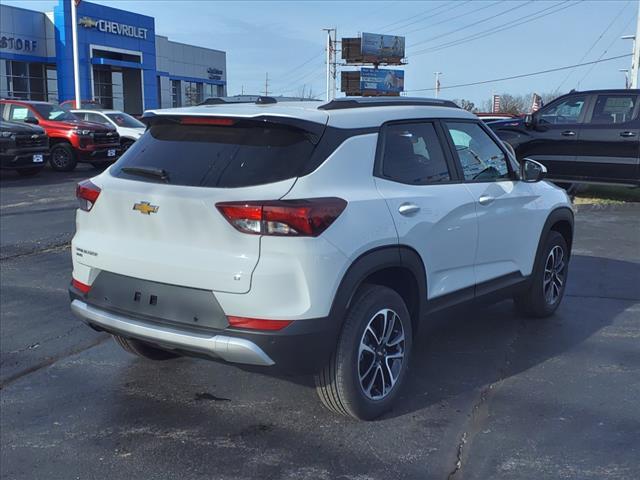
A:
(83, 287)
(87, 193)
(301, 218)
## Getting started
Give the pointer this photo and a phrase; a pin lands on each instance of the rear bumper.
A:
(236, 350)
(303, 347)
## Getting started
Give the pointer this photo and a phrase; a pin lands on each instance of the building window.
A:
(107, 87)
(52, 84)
(176, 94)
(22, 80)
(192, 93)
(159, 90)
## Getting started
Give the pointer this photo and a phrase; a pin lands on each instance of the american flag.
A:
(496, 103)
(536, 102)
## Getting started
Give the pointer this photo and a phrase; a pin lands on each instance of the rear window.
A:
(244, 154)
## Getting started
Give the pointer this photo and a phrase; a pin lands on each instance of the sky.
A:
(468, 41)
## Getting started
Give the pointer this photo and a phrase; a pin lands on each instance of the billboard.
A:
(382, 48)
(381, 81)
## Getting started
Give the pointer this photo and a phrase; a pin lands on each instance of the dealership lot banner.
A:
(381, 80)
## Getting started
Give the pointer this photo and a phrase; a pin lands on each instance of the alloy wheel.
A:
(554, 275)
(381, 354)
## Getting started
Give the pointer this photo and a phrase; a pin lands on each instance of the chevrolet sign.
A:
(108, 26)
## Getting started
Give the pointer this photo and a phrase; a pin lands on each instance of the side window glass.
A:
(479, 155)
(413, 154)
(19, 114)
(566, 112)
(612, 109)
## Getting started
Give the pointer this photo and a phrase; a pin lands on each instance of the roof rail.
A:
(363, 102)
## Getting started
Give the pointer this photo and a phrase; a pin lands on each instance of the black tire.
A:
(29, 172)
(339, 383)
(536, 301)
(142, 349)
(63, 158)
(101, 165)
(125, 143)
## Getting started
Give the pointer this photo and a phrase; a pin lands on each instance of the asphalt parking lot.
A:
(490, 395)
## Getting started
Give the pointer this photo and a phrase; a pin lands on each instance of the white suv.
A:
(129, 128)
(313, 237)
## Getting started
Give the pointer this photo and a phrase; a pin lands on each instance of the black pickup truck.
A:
(591, 137)
(23, 147)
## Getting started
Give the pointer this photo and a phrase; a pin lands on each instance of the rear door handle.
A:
(569, 133)
(408, 209)
(486, 199)
(627, 134)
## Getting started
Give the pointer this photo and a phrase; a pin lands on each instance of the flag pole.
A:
(76, 62)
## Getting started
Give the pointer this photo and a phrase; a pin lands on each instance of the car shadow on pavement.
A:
(471, 346)
(11, 179)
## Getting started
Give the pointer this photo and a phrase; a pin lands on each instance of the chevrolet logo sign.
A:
(145, 208)
(87, 22)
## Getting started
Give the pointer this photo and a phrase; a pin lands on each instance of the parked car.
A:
(84, 104)
(590, 136)
(492, 117)
(72, 140)
(313, 237)
(23, 147)
(130, 129)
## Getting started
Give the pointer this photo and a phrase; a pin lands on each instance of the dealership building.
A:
(123, 63)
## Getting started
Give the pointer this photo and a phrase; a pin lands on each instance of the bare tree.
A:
(465, 104)
(517, 104)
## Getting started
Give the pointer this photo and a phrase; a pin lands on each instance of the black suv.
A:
(591, 136)
(23, 147)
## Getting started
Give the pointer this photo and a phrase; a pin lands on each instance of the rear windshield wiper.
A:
(159, 173)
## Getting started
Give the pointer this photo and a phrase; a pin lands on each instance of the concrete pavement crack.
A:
(479, 411)
(35, 251)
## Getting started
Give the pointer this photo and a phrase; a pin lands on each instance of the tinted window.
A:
(479, 155)
(95, 117)
(125, 120)
(413, 154)
(612, 109)
(564, 112)
(53, 112)
(19, 113)
(247, 153)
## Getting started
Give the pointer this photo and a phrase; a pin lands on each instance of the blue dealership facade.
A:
(123, 63)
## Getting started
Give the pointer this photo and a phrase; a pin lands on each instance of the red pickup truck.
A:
(72, 140)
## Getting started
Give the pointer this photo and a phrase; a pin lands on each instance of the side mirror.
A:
(532, 171)
(529, 120)
(32, 120)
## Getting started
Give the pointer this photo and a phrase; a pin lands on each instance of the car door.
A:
(609, 140)
(97, 118)
(21, 113)
(554, 136)
(432, 210)
(506, 207)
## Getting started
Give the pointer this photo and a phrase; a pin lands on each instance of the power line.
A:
(595, 43)
(492, 31)
(293, 70)
(430, 10)
(446, 20)
(477, 22)
(513, 77)
(414, 20)
(615, 39)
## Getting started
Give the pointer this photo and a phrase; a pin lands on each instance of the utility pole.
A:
(437, 89)
(329, 61)
(266, 85)
(76, 61)
(335, 64)
(635, 53)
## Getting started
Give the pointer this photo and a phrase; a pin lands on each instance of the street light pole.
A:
(635, 52)
(328, 30)
(437, 89)
(76, 62)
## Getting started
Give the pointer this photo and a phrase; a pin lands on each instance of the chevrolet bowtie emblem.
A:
(145, 208)
(87, 22)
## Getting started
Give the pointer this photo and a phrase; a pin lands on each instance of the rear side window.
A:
(612, 109)
(243, 154)
(412, 154)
